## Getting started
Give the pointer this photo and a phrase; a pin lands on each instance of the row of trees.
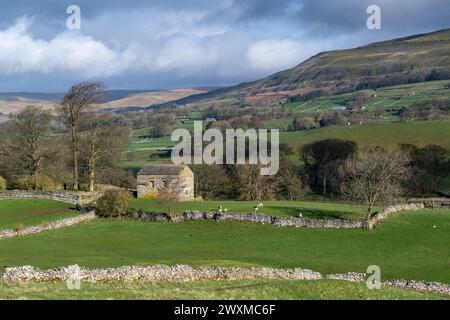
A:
(245, 182)
(332, 167)
(427, 109)
(427, 166)
(65, 147)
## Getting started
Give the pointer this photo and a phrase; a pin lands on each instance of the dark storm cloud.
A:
(347, 16)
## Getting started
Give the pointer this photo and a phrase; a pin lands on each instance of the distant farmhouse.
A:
(339, 109)
(154, 178)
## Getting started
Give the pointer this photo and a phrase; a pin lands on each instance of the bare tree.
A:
(320, 159)
(375, 177)
(103, 145)
(251, 185)
(211, 181)
(29, 130)
(78, 100)
(170, 194)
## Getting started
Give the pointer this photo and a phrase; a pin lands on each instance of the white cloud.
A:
(277, 54)
(69, 51)
(166, 50)
(74, 52)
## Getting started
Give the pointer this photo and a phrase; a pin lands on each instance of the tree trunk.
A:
(369, 212)
(91, 179)
(91, 174)
(92, 164)
(75, 159)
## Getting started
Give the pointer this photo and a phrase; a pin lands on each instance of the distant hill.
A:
(416, 58)
(135, 101)
(119, 100)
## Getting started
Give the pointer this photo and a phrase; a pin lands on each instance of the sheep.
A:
(222, 209)
(259, 206)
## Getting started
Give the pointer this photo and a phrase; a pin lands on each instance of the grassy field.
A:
(30, 212)
(411, 245)
(388, 134)
(392, 98)
(316, 210)
(199, 290)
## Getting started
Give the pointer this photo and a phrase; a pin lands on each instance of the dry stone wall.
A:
(183, 273)
(48, 226)
(419, 285)
(383, 214)
(77, 199)
(283, 221)
(252, 217)
(157, 273)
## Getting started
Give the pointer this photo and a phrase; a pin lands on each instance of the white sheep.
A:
(259, 206)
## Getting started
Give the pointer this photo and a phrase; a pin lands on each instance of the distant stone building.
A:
(153, 178)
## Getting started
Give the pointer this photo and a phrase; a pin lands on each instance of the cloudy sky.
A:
(152, 44)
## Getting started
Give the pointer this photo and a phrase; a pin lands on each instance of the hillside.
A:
(114, 99)
(143, 99)
(417, 58)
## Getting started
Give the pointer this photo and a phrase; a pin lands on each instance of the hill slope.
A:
(119, 100)
(416, 58)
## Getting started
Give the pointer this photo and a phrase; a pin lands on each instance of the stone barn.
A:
(153, 178)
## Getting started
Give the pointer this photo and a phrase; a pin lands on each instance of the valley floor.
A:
(410, 245)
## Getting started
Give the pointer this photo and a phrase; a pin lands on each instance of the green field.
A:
(391, 98)
(217, 290)
(141, 150)
(388, 134)
(14, 213)
(315, 210)
(411, 245)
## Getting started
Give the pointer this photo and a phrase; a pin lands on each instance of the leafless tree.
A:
(251, 185)
(170, 194)
(375, 177)
(103, 145)
(29, 135)
(211, 181)
(78, 100)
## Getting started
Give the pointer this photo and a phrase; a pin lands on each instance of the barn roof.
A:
(160, 169)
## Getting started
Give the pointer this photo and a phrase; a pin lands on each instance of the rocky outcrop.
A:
(48, 226)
